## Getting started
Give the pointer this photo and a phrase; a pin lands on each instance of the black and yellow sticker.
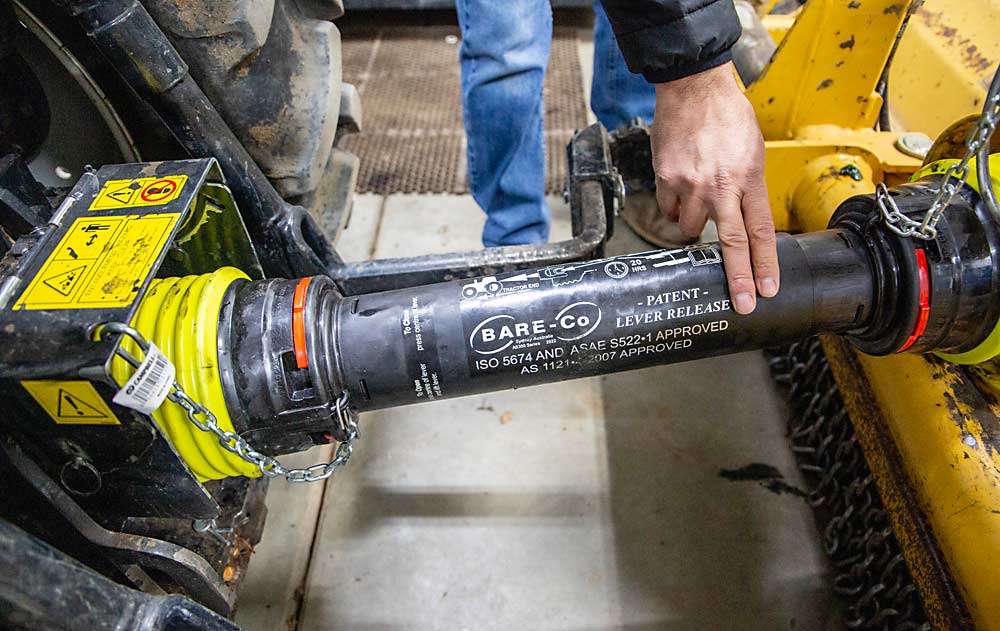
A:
(71, 402)
(101, 262)
(142, 191)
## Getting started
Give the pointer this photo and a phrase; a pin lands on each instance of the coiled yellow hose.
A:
(181, 317)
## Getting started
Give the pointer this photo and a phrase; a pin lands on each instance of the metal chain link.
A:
(869, 570)
(954, 177)
(205, 420)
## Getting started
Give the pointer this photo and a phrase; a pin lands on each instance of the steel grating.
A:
(413, 139)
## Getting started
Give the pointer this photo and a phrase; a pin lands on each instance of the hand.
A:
(708, 156)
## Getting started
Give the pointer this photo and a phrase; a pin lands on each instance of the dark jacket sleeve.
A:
(666, 40)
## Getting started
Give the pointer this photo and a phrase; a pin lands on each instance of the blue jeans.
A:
(616, 95)
(504, 53)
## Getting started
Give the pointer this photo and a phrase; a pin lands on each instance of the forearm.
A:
(698, 87)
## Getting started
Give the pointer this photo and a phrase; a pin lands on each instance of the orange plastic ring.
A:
(299, 323)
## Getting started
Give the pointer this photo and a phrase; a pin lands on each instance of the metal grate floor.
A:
(414, 140)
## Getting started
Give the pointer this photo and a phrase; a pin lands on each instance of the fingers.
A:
(674, 213)
(693, 215)
(668, 200)
(680, 202)
(709, 162)
(746, 231)
(735, 253)
(760, 233)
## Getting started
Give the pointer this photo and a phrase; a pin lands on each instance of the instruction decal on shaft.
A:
(553, 320)
(420, 346)
(142, 191)
(71, 402)
(100, 262)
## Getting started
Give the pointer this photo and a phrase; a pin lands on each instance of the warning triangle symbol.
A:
(64, 282)
(123, 195)
(71, 406)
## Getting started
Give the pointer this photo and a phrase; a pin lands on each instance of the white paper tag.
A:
(148, 387)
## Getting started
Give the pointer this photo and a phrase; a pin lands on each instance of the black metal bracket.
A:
(23, 205)
(594, 191)
(186, 567)
(44, 588)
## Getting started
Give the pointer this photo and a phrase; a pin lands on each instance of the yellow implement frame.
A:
(944, 63)
(817, 105)
(930, 433)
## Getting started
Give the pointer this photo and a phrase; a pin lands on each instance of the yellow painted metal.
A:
(975, 490)
(813, 164)
(942, 427)
(941, 166)
(960, 497)
(826, 182)
(816, 103)
(181, 316)
(944, 63)
(951, 143)
(941, 600)
(826, 69)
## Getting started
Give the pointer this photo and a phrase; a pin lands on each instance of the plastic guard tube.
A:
(589, 318)
(181, 316)
(273, 357)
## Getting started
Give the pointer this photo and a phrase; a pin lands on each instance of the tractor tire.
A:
(272, 68)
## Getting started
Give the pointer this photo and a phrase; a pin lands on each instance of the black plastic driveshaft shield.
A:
(288, 348)
(589, 318)
(884, 292)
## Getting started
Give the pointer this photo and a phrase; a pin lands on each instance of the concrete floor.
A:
(594, 504)
(586, 505)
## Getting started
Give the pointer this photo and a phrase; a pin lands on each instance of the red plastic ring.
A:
(925, 301)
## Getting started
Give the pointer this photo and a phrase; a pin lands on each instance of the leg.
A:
(504, 52)
(616, 95)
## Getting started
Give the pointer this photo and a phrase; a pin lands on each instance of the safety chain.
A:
(926, 229)
(205, 420)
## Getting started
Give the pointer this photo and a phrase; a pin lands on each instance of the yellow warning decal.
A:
(142, 191)
(101, 262)
(71, 402)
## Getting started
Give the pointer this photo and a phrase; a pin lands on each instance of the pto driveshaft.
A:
(288, 349)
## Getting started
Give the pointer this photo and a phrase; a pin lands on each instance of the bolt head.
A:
(914, 144)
